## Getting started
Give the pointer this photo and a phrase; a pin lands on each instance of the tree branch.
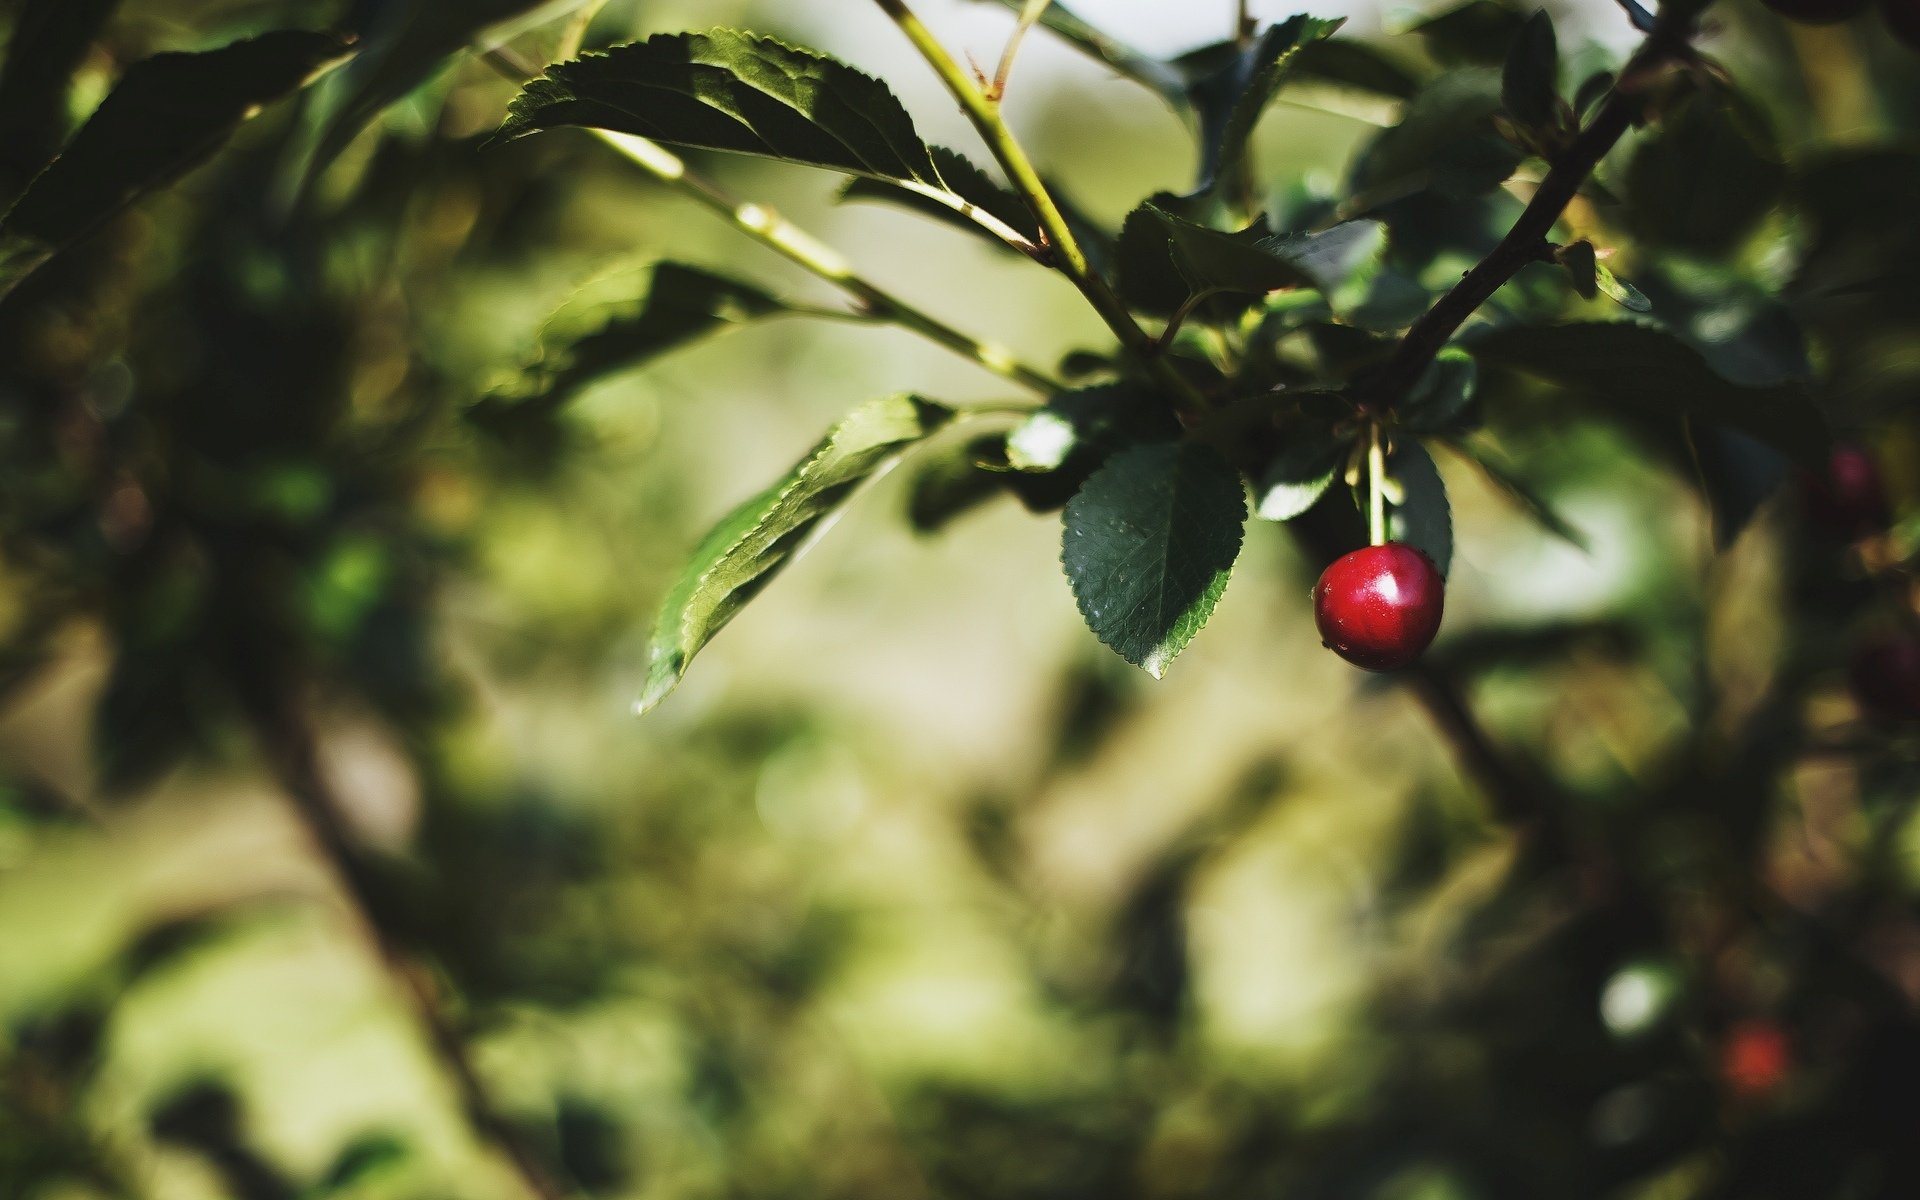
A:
(1527, 240)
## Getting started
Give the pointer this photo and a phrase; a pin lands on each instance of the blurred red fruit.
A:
(1885, 676)
(1849, 500)
(1756, 1058)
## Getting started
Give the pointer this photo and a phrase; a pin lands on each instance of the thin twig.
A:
(1245, 24)
(1525, 242)
(1029, 17)
(1069, 257)
(799, 246)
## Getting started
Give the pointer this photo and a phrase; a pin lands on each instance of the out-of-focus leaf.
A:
(674, 304)
(966, 182)
(1445, 142)
(1477, 32)
(1737, 475)
(1144, 69)
(167, 114)
(1619, 290)
(1643, 368)
(1077, 431)
(1148, 545)
(1232, 85)
(1706, 178)
(1530, 80)
(757, 540)
(402, 43)
(1250, 261)
(1591, 91)
(952, 483)
(1442, 394)
(1350, 63)
(1582, 267)
(361, 1159)
(1494, 467)
(1423, 518)
(734, 91)
(46, 44)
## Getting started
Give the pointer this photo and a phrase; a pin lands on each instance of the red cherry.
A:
(1849, 500)
(1903, 19)
(1379, 606)
(1817, 12)
(1755, 1058)
(1885, 676)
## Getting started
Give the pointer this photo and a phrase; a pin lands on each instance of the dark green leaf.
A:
(954, 482)
(668, 306)
(1149, 543)
(1530, 81)
(402, 44)
(1445, 142)
(1078, 430)
(1591, 91)
(1443, 393)
(728, 90)
(1477, 32)
(1494, 467)
(757, 540)
(1706, 178)
(1233, 86)
(1582, 267)
(166, 115)
(1647, 369)
(969, 185)
(1309, 457)
(1357, 65)
(1250, 261)
(1422, 519)
(46, 44)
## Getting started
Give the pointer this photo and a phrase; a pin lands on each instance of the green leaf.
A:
(1530, 81)
(738, 92)
(1445, 143)
(1619, 290)
(1706, 178)
(1643, 368)
(1494, 467)
(1442, 395)
(1296, 477)
(968, 184)
(1422, 519)
(1231, 86)
(673, 304)
(1351, 64)
(1471, 33)
(48, 40)
(1148, 545)
(1077, 431)
(953, 482)
(1165, 258)
(757, 540)
(403, 43)
(167, 114)
(1582, 267)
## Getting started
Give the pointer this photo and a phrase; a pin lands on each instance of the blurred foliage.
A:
(333, 864)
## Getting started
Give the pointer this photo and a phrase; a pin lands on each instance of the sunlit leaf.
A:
(966, 183)
(757, 540)
(1165, 258)
(1148, 545)
(167, 114)
(734, 91)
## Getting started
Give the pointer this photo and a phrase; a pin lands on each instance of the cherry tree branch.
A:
(1527, 241)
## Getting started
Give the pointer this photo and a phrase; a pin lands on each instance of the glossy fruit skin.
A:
(1379, 606)
(1885, 676)
(1903, 20)
(1849, 500)
(1817, 12)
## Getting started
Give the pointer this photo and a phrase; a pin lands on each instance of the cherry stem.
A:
(1376, 486)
